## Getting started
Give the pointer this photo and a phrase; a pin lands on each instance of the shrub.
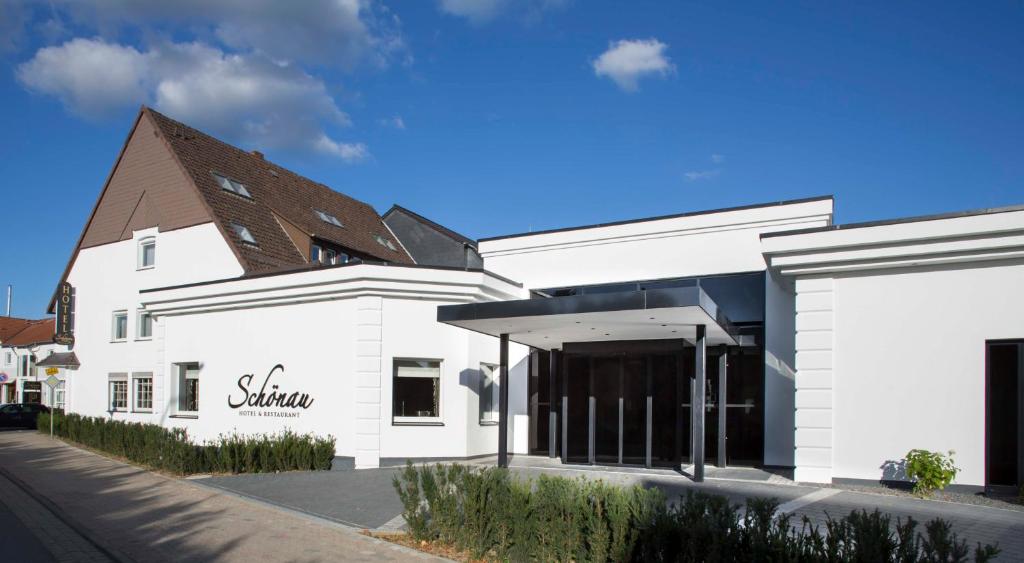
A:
(931, 471)
(496, 516)
(170, 449)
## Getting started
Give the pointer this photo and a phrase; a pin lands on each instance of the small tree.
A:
(931, 471)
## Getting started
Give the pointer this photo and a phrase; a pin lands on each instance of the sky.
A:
(504, 116)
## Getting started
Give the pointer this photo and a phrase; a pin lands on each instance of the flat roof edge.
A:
(331, 267)
(662, 217)
(898, 221)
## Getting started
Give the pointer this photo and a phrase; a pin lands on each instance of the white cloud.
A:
(349, 152)
(331, 32)
(482, 11)
(696, 175)
(717, 158)
(626, 61)
(247, 98)
(396, 122)
(90, 76)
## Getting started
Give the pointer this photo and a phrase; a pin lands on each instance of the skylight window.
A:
(327, 218)
(232, 186)
(243, 233)
(385, 242)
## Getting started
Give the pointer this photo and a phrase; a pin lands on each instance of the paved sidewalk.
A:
(143, 516)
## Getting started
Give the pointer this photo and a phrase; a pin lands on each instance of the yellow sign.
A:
(52, 371)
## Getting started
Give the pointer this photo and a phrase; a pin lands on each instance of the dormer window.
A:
(244, 234)
(327, 218)
(147, 253)
(385, 242)
(233, 186)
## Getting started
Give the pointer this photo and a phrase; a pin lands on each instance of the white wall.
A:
(713, 243)
(106, 278)
(779, 371)
(910, 363)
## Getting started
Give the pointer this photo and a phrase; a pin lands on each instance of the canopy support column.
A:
(723, 366)
(553, 404)
(503, 402)
(699, 390)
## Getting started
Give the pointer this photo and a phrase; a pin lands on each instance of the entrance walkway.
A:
(139, 515)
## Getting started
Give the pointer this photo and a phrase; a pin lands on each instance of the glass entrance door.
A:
(623, 408)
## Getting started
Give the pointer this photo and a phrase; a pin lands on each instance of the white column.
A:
(814, 390)
(369, 321)
(161, 386)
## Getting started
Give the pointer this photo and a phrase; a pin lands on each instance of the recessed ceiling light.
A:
(652, 318)
(675, 331)
(606, 334)
(664, 325)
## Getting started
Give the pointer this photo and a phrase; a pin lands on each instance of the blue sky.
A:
(502, 116)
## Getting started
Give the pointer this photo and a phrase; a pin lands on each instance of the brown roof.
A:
(274, 190)
(35, 332)
(10, 326)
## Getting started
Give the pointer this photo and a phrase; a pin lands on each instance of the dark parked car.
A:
(21, 415)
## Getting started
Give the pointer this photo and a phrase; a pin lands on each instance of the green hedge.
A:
(170, 449)
(495, 516)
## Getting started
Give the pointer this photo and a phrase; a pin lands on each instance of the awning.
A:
(548, 323)
(60, 360)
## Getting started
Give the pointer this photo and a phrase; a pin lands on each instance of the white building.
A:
(28, 357)
(220, 293)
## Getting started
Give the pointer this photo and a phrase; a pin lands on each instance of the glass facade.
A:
(628, 402)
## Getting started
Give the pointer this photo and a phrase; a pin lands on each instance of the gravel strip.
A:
(1006, 503)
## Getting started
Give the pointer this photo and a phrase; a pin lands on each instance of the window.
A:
(143, 383)
(385, 242)
(232, 186)
(119, 330)
(7, 358)
(188, 388)
(147, 253)
(330, 257)
(314, 253)
(488, 394)
(145, 325)
(58, 396)
(417, 391)
(327, 218)
(243, 233)
(117, 397)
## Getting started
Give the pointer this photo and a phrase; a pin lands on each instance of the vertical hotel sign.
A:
(65, 334)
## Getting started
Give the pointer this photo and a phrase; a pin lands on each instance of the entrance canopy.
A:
(548, 323)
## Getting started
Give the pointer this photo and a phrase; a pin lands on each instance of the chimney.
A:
(258, 154)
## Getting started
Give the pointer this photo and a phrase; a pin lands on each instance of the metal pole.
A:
(723, 366)
(700, 381)
(552, 409)
(503, 402)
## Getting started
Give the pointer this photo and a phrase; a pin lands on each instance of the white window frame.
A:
(490, 389)
(118, 378)
(113, 326)
(183, 372)
(139, 314)
(244, 233)
(328, 218)
(419, 420)
(232, 186)
(316, 253)
(59, 395)
(138, 377)
(141, 256)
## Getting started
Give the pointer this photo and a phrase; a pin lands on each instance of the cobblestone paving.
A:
(63, 542)
(144, 516)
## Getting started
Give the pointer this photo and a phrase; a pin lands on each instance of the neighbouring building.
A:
(30, 356)
(218, 292)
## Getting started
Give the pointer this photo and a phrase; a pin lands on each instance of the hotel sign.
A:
(270, 400)
(65, 334)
